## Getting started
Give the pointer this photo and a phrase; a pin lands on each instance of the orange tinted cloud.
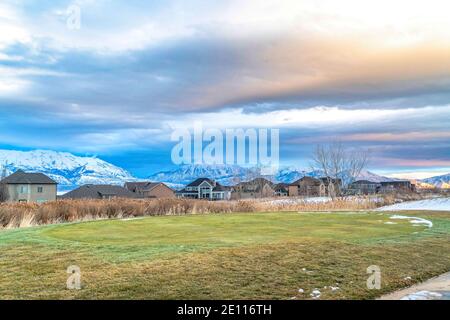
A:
(405, 136)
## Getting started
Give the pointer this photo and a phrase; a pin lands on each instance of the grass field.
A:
(228, 256)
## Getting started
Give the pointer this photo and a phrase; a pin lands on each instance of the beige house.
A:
(154, 190)
(307, 187)
(254, 189)
(28, 187)
(312, 187)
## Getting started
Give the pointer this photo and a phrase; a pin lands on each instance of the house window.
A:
(23, 189)
(40, 189)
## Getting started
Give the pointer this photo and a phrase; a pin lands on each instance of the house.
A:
(363, 187)
(330, 186)
(101, 191)
(153, 190)
(315, 187)
(396, 186)
(204, 188)
(306, 186)
(281, 189)
(28, 187)
(254, 189)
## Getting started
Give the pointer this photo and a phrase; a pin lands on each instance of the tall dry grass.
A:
(16, 215)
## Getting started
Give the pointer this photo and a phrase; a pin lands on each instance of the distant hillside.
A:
(65, 168)
(229, 175)
(439, 181)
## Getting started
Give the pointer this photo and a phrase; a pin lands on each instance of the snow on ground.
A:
(299, 200)
(414, 220)
(422, 295)
(291, 201)
(437, 204)
(315, 294)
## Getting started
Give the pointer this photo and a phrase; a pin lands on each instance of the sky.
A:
(372, 74)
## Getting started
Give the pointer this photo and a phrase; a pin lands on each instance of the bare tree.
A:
(338, 162)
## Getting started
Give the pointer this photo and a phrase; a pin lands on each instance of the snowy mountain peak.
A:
(65, 168)
(229, 175)
(439, 181)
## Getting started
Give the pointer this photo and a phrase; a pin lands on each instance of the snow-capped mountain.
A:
(185, 174)
(229, 175)
(439, 181)
(65, 168)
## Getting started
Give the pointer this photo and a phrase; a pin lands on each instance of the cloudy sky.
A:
(373, 74)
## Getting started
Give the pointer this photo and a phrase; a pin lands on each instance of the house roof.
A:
(281, 186)
(22, 177)
(333, 180)
(220, 187)
(199, 181)
(91, 191)
(364, 182)
(306, 179)
(216, 187)
(143, 185)
(395, 182)
(254, 185)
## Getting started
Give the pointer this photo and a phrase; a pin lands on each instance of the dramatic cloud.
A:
(373, 75)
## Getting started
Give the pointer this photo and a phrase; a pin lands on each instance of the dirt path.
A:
(434, 289)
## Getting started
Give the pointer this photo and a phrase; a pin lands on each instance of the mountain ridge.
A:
(65, 168)
(71, 171)
(442, 181)
(231, 174)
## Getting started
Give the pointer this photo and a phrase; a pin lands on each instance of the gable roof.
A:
(364, 182)
(90, 191)
(142, 186)
(254, 185)
(22, 177)
(281, 187)
(306, 179)
(217, 187)
(199, 181)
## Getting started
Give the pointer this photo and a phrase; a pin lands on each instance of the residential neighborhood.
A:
(24, 186)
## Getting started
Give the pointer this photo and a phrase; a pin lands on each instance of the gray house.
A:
(28, 187)
(204, 188)
(363, 187)
(99, 191)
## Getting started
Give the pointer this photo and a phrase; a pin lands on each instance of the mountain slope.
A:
(439, 181)
(229, 175)
(65, 168)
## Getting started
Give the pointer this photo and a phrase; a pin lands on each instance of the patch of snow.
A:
(436, 204)
(132, 218)
(334, 288)
(390, 222)
(315, 294)
(422, 295)
(417, 222)
(299, 201)
(301, 291)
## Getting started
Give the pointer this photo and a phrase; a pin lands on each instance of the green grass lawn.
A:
(229, 256)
